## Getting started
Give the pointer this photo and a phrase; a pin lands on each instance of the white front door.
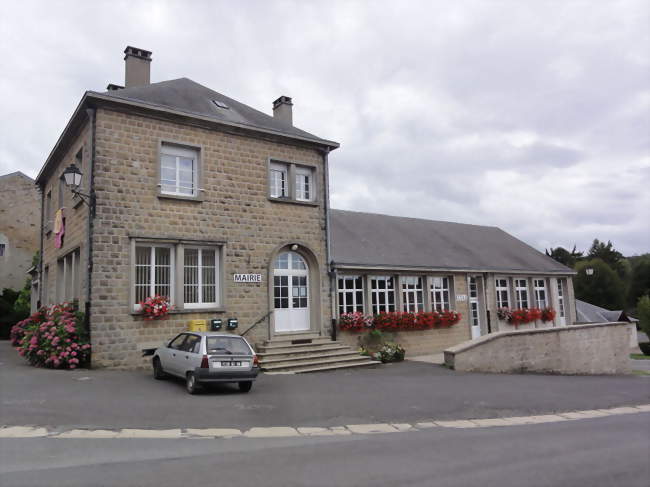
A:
(291, 293)
(474, 309)
(561, 308)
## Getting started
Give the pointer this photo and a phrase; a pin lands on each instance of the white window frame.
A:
(538, 291)
(376, 292)
(561, 286)
(519, 290)
(441, 285)
(412, 293)
(278, 189)
(175, 151)
(304, 183)
(152, 270)
(498, 287)
(348, 297)
(217, 269)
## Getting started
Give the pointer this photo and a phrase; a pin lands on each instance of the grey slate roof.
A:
(373, 240)
(192, 98)
(590, 313)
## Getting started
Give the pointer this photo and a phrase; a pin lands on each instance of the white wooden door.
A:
(474, 307)
(291, 293)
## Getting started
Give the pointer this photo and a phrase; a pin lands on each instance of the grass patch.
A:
(640, 372)
(639, 356)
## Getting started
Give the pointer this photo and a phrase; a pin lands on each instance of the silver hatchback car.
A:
(204, 357)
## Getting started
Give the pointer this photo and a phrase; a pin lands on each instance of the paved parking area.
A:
(406, 392)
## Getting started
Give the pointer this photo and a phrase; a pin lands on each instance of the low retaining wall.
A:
(417, 342)
(580, 349)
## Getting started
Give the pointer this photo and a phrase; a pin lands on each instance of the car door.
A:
(174, 351)
(189, 355)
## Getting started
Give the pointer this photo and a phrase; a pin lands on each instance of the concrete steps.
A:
(309, 353)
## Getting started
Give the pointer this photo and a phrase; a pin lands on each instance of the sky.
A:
(533, 116)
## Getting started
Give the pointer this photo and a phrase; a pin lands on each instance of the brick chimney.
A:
(283, 111)
(137, 67)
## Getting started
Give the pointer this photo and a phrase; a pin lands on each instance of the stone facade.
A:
(234, 211)
(580, 349)
(20, 213)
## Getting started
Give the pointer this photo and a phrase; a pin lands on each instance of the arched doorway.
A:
(291, 293)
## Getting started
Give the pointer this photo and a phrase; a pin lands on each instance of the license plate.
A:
(234, 363)
(231, 364)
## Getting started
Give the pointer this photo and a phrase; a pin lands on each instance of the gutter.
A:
(379, 267)
(331, 272)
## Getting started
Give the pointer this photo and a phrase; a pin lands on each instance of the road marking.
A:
(288, 431)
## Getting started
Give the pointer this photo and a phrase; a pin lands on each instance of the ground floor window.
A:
(540, 293)
(383, 293)
(502, 292)
(155, 274)
(412, 294)
(67, 277)
(521, 293)
(350, 290)
(440, 293)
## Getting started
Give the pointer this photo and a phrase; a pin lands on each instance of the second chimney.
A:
(283, 111)
(137, 67)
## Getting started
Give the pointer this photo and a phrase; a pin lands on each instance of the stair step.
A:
(296, 341)
(315, 363)
(274, 348)
(296, 336)
(305, 370)
(274, 352)
(341, 354)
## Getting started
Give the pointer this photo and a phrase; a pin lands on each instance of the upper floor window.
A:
(304, 179)
(291, 182)
(440, 293)
(350, 294)
(521, 292)
(278, 180)
(502, 292)
(412, 292)
(2, 250)
(179, 170)
(540, 293)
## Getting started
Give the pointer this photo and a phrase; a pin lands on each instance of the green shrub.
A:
(645, 348)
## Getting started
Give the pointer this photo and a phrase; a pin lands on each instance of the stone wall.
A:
(580, 349)
(235, 209)
(20, 213)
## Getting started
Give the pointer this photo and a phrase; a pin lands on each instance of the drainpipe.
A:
(91, 112)
(328, 243)
(487, 307)
(39, 302)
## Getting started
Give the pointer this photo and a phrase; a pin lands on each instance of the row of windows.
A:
(179, 176)
(351, 293)
(522, 297)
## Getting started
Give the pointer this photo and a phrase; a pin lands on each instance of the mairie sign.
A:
(247, 277)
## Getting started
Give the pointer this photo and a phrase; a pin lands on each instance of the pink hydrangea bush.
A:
(53, 338)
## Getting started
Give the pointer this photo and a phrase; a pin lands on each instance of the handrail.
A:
(257, 323)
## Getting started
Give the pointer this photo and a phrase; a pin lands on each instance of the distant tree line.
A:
(613, 282)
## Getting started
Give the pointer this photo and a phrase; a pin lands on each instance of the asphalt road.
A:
(612, 451)
(403, 392)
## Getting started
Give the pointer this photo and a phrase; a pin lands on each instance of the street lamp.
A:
(72, 177)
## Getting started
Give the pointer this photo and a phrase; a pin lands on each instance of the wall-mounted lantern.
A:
(72, 177)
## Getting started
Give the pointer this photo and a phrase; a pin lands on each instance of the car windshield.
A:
(227, 345)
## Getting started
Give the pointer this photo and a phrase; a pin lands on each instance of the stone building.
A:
(20, 213)
(223, 209)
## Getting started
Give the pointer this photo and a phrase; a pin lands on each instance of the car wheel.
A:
(158, 372)
(245, 386)
(191, 384)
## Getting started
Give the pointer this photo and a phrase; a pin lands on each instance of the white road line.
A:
(304, 431)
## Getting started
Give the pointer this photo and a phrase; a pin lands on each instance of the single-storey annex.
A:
(224, 210)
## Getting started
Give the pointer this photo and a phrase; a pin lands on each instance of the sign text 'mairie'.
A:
(247, 277)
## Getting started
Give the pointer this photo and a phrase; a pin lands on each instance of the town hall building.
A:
(223, 209)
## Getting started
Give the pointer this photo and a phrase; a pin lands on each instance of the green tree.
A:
(639, 284)
(609, 255)
(563, 256)
(643, 312)
(603, 287)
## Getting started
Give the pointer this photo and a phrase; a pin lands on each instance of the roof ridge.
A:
(416, 218)
(16, 173)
